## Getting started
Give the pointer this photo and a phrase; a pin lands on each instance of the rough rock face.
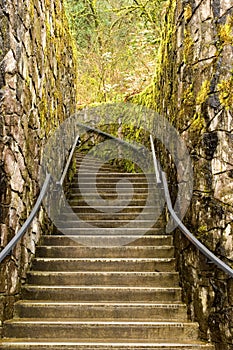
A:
(37, 91)
(193, 87)
(204, 90)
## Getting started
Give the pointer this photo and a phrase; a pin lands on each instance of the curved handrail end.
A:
(6, 251)
(201, 247)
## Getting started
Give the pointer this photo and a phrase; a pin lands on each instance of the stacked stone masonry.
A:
(205, 118)
(37, 92)
(193, 87)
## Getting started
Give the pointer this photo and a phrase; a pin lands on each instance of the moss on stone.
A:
(188, 98)
(188, 12)
(225, 32)
(225, 88)
(43, 111)
(198, 124)
(190, 80)
(31, 10)
(188, 46)
(146, 97)
(151, 97)
(202, 231)
(203, 93)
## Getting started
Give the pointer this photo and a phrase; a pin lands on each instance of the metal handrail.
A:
(156, 165)
(37, 205)
(98, 131)
(159, 175)
(201, 247)
(27, 223)
(226, 268)
(77, 139)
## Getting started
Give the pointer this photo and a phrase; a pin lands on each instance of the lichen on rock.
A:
(193, 87)
(37, 82)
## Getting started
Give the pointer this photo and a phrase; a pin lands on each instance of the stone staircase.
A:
(102, 294)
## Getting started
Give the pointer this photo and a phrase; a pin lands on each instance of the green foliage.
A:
(117, 43)
(152, 97)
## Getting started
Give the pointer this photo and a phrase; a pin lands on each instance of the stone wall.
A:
(37, 92)
(204, 60)
(193, 87)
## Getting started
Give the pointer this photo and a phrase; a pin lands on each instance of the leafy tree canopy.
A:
(117, 43)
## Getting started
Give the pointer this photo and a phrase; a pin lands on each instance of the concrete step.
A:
(63, 328)
(91, 160)
(121, 175)
(109, 202)
(65, 240)
(99, 165)
(92, 165)
(129, 209)
(131, 279)
(113, 178)
(106, 241)
(104, 264)
(117, 231)
(111, 185)
(111, 224)
(109, 216)
(105, 252)
(101, 293)
(97, 169)
(79, 156)
(107, 287)
(112, 193)
(75, 344)
(109, 195)
(127, 188)
(92, 168)
(103, 311)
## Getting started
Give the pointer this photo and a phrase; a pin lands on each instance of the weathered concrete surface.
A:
(37, 91)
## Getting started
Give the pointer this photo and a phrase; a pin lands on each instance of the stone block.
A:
(29, 68)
